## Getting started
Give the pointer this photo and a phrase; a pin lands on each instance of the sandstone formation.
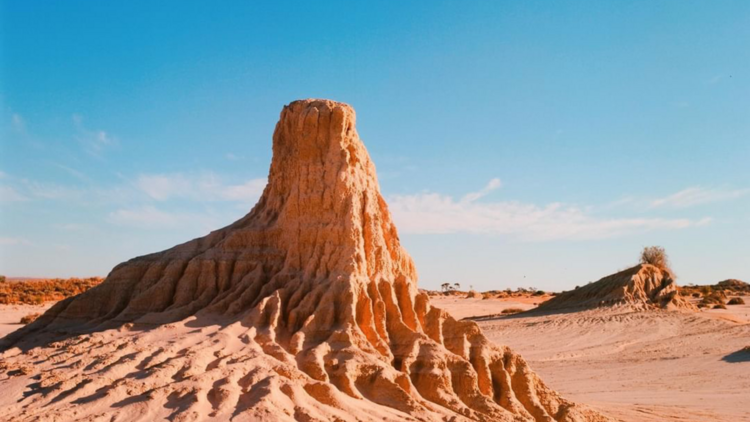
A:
(305, 309)
(644, 286)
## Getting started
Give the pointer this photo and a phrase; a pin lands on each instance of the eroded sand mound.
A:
(734, 285)
(305, 309)
(641, 287)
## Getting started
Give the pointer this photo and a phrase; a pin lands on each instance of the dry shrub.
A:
(656, 256)
(736, 301)
(35, 292)
(512, 310)
(715, 298)
(721, 306)
(28, 319)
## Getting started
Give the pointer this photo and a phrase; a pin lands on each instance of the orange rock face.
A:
(642, 287)
(305, 309)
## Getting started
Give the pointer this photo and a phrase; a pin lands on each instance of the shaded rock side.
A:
(641, 287)
(305, 309)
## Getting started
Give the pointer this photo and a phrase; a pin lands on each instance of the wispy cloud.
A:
(150, 217)
(73, 172)
(145, 188)
(206, 186)
(698, 195)
(18, 123)
(233, 157)
(94, 142)
(9, 194)
(40, 190)
(715, 80)
(681, 104)
(72, 227)
(473, 196)
(435, 213)
(14, 241)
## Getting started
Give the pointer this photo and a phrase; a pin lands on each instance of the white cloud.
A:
(249, 191)
(435, 213)
(94, 141)
(492, 185)
(9, 194)
(698, 195)
(145, 217)
(162, 187)
(204, 187)
(149, 217)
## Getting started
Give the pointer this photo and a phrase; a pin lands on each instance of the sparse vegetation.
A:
(736, 301)
(733, 285)
(509, 311)
(656, 256)
(539, 293)
(715, 298)
(720, 306)
(28, 319)
(36, 292)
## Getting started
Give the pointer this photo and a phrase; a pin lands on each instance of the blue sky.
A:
(517, 143)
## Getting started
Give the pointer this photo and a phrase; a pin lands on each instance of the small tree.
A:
(456, 286)
(2, 279)
(445, 287)
(656, 256)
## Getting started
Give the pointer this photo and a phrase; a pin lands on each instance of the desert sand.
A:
(635, 365)
(10, 315)
(305, 309)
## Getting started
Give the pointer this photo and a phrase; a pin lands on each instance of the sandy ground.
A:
(635, 366)
(10, 315)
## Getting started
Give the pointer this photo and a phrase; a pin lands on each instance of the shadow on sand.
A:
(742, 355)
(38, 333)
